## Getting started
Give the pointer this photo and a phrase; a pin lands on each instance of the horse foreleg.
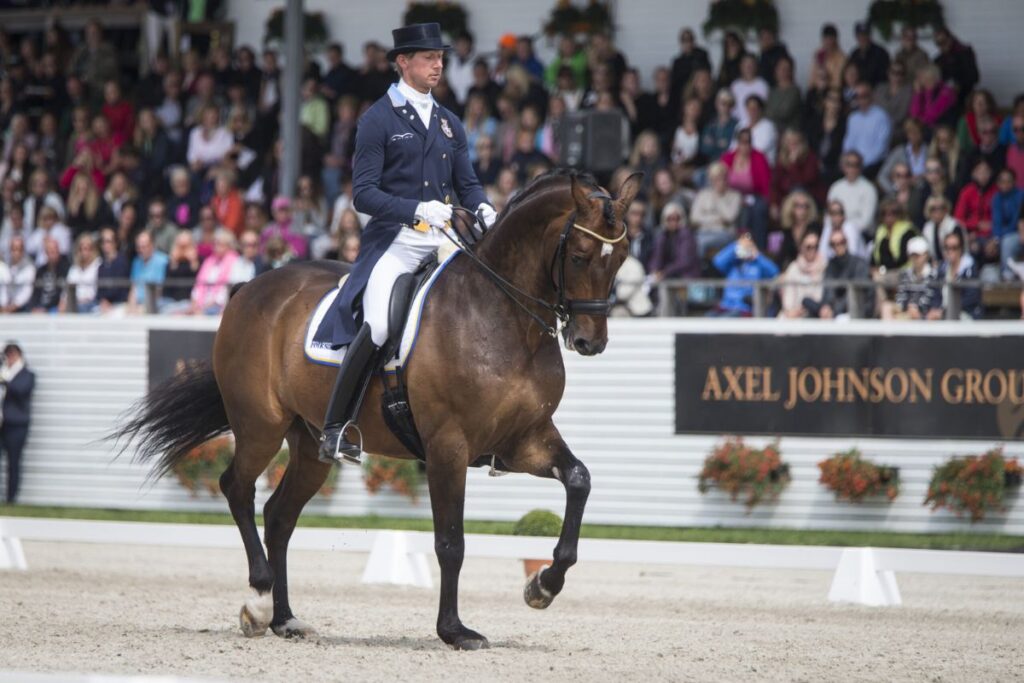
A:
(302, 479)
(446, 477)
(549, 456)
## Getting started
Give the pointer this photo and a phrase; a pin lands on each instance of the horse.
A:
(485, 379)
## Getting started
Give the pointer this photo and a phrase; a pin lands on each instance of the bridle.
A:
(564, 308)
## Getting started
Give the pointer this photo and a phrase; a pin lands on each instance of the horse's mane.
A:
(544, 180)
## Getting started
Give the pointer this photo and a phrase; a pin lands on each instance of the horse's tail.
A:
(180, 414)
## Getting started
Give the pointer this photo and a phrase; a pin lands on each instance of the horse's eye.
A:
(578, 260)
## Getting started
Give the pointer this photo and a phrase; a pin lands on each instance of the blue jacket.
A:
(398, 164)
(737, 297)
(17, 402)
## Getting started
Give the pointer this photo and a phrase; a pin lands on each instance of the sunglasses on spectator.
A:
(801, 205)
(900, 174)
(851, 164)
(837, 243)
(835, 212)
(810, 246)
(108, 240)
(951, 247)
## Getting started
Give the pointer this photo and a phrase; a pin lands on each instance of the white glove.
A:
(435, 213)
(487, 212)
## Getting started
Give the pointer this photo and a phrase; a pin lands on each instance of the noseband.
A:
(564, 309)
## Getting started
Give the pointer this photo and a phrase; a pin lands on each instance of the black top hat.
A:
(416, 38)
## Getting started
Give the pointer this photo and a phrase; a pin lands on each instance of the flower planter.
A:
(1011, 479)
(530, 567)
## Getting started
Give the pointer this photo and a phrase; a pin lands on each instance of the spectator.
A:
(227, 201)
(772, 52)
(675, 247)
(459, 67)
(41, 193)
(155, 152)
(933, 102)
(829, 57)
(764, 136)
(646, 157)
(956, 62)
(22, 277)
(946, 149)
(867, 131)
(161, 230)
(210, 293)
(783, 105)
(314, 113)
(349, 248)
(281, 228)
(13, 226)
(549, 137)
(913, 154)
(715, 211)
(638, 233)
(741, 260)
(249, 76)
(16, 385)
(910, 55)
(487, 165)
(836, 222)
(988, 149)
(183, 204)
(104, 146)
(50, 227)
(209, 142)
(1006, 132)
(95, 60)
(1006, 217)
(340, 80)
(86, 210)
(113, 266)
(526, 156)
(798, 168)
(981, 106)
(902, 190)
(170, 111)
(894, 95)
(974, 206)
(918, 296)
(120, 113)
(750, 173)
(182, 268)
(733, 52)
(842, 265)
(50, 277)
(857, 195)
(525, 57)
(871, 58)
(718, 133)
(204, 234)
(892, 237)
(799, 216)
(802, 287)
(959, 266)
(338, 160)
(748, 83)
(120, 192)
(270, 91)
(940, 224)
(826, 134)
(478, 122)
(148, 268)
(83, 274)
(691, 57)
(686, 140)
(1015, 150)
(604, 53)
(249, 264)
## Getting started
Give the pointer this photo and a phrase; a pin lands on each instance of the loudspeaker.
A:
(593, 140)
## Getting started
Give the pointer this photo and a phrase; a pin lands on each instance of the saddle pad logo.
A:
(446, 128)
(401, 136)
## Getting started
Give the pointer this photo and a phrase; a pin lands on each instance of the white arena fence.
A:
(617, 415)
(863, 576)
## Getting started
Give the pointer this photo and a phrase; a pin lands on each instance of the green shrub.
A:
(538, 523)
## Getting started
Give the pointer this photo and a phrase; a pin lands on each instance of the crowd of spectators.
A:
(899, 167)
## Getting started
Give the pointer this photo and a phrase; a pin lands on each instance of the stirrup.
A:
(346, 456)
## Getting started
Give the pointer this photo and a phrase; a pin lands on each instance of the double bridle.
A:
(564, 308)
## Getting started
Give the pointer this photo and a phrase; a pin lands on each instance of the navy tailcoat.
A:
(398, 164)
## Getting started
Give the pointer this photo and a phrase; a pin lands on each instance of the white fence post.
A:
(392, 562)
(858, 580)
(12, 556)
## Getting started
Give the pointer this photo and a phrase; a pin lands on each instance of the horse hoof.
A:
(255, 615)
(536, 595)
(293, 628)
(464, 639)
(471, 644)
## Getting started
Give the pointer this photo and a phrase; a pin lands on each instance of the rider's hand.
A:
(435, 213)
(487, 213)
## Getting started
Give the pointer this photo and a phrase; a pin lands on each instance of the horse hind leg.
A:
(253, 452)
(303, 477)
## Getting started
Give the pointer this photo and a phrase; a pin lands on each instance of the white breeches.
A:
(405, 253)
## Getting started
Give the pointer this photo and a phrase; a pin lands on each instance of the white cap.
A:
(917, 245)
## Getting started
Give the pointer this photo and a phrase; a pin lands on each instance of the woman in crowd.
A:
(282, 227)
(50, 227)
(981, 105)
(851, 79)
(974, 208)
(918, 296)
(913, 153)
(827, 133)
(120, 113)
(799, 216)
(227, 201)
(836, 222)
(646, 157)
(893, 96)
(940, 224)
(829, 57)
(749, 83)
(732, 54)
(675, 247)
(213, 281)
(664, 190)
(892, 236)
(182, 267)
(50, 275)
(750, 174)
(701, 87)
(901, 187)
(86, 208)
(487, 165)
(114, 266)
(83, 275)
(119, 193)
(309, 199)
(797, 168)
(477, 121)
(716, 210)
(128, 228)
(183, 202)
(802, 279)
(718, 133)
(936, 184)
(686, 141)
(782, 106)
(249, 263)
(1006, 216)
(204, 234)
(19, 167)
(934, 102)
(154, 149)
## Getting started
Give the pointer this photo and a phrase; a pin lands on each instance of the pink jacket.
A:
(213, 281)
(929, 106)
(760, 171)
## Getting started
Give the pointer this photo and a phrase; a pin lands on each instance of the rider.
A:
(410, 165)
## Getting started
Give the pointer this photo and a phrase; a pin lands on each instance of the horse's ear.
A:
(628, 191)
(580, 195)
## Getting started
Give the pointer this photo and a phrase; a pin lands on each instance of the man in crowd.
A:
(868, 131)
(856, 193)
(871, 58)
(691, 57)
(772, 50)
(149, 267)
(957, 63)
(16, 385)
(843, 265)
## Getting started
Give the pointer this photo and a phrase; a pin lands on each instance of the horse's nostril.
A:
(581, 344)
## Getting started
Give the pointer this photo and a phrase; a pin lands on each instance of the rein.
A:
(565, 308)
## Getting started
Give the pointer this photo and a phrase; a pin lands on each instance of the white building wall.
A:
(648, 29)
(617, 416)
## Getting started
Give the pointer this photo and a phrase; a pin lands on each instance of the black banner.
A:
(170, 350)
(850, 385)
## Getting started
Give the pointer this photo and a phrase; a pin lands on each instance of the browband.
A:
(606, 240)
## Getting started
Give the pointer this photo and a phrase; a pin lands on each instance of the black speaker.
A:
(593, 140)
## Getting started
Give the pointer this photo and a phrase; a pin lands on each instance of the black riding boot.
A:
(353, 377)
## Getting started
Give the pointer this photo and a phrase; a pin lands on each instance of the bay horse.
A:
(486, 377)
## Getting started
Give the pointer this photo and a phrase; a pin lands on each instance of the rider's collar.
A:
(402, 92)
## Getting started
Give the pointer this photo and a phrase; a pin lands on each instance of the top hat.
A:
(416, 38)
